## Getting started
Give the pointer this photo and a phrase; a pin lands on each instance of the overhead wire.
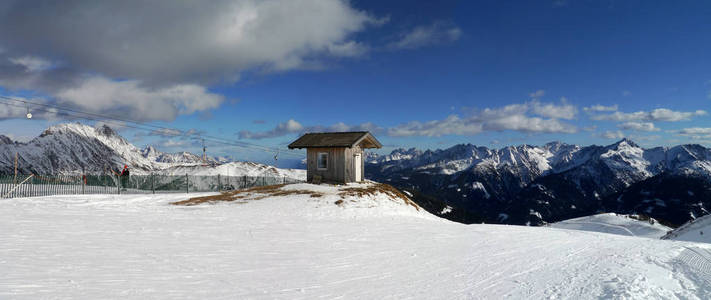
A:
(168, 131)
(103, 116)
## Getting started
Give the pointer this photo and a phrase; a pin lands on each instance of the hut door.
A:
(357, 167)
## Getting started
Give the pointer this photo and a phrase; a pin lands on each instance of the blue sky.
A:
(424, 74)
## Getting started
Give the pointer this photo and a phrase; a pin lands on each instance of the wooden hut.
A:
(335, 156)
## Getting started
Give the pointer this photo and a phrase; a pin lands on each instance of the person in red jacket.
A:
(124, 176)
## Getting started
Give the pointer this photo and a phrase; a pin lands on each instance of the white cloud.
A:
(348, 49)
(290, 126)
(155, 59)
(626, 93)
(31, 63)
(515, 117)
(529, 117)
(696, 133)
(453, 124)
(695, 130)
(183, 41)
(600, 108)
(172, 143)
(659, 114)
(638, 126)
(556, 111)
(293, 127)
(537, 94)
(613, 135)
(130, 98)
(420, 36)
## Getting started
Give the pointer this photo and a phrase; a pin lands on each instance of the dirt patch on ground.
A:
(255, 193)
(376, 188)
(262, 192)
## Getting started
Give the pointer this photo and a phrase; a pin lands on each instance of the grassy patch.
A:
(255, 193)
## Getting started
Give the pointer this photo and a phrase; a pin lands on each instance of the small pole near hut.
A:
(14, 181)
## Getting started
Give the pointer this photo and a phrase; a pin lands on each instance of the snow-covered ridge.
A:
(73, 147)
(533, 161)
(697, 230)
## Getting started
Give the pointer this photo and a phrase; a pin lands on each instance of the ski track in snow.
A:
(138, 246)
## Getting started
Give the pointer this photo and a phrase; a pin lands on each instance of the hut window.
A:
(322, 161)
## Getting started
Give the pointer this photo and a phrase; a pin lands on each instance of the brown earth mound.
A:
(264, 191)
(261, 192)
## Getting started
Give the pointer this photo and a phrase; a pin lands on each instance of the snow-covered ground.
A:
(615, 224)
(698, 230)
(300, 246)
(235, 169)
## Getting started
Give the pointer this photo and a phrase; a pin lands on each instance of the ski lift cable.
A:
(193, 135)
(102, 118)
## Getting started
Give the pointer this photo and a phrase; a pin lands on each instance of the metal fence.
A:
(32, 185)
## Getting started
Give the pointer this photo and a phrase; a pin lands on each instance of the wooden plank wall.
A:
(335, 164)
(340, 164)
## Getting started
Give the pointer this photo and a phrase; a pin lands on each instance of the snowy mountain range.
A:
(515, 185)
(538, 184)
(73, 147)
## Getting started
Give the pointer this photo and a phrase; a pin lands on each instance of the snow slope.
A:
(698, 230)
(615, 224)
(303, 247)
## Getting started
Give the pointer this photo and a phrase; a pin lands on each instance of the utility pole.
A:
(276, 158)
(204, 155)
(14, 181)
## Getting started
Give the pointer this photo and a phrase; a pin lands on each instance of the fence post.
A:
(284, 182)
(245, 182)
(118, 185)
(187, 183)
(218, 183)
(153, 188)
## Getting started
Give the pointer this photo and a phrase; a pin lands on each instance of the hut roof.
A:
(336, 139)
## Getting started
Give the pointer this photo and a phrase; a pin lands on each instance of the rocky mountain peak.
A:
(625, 142)
(4, 140)
(106, 130)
